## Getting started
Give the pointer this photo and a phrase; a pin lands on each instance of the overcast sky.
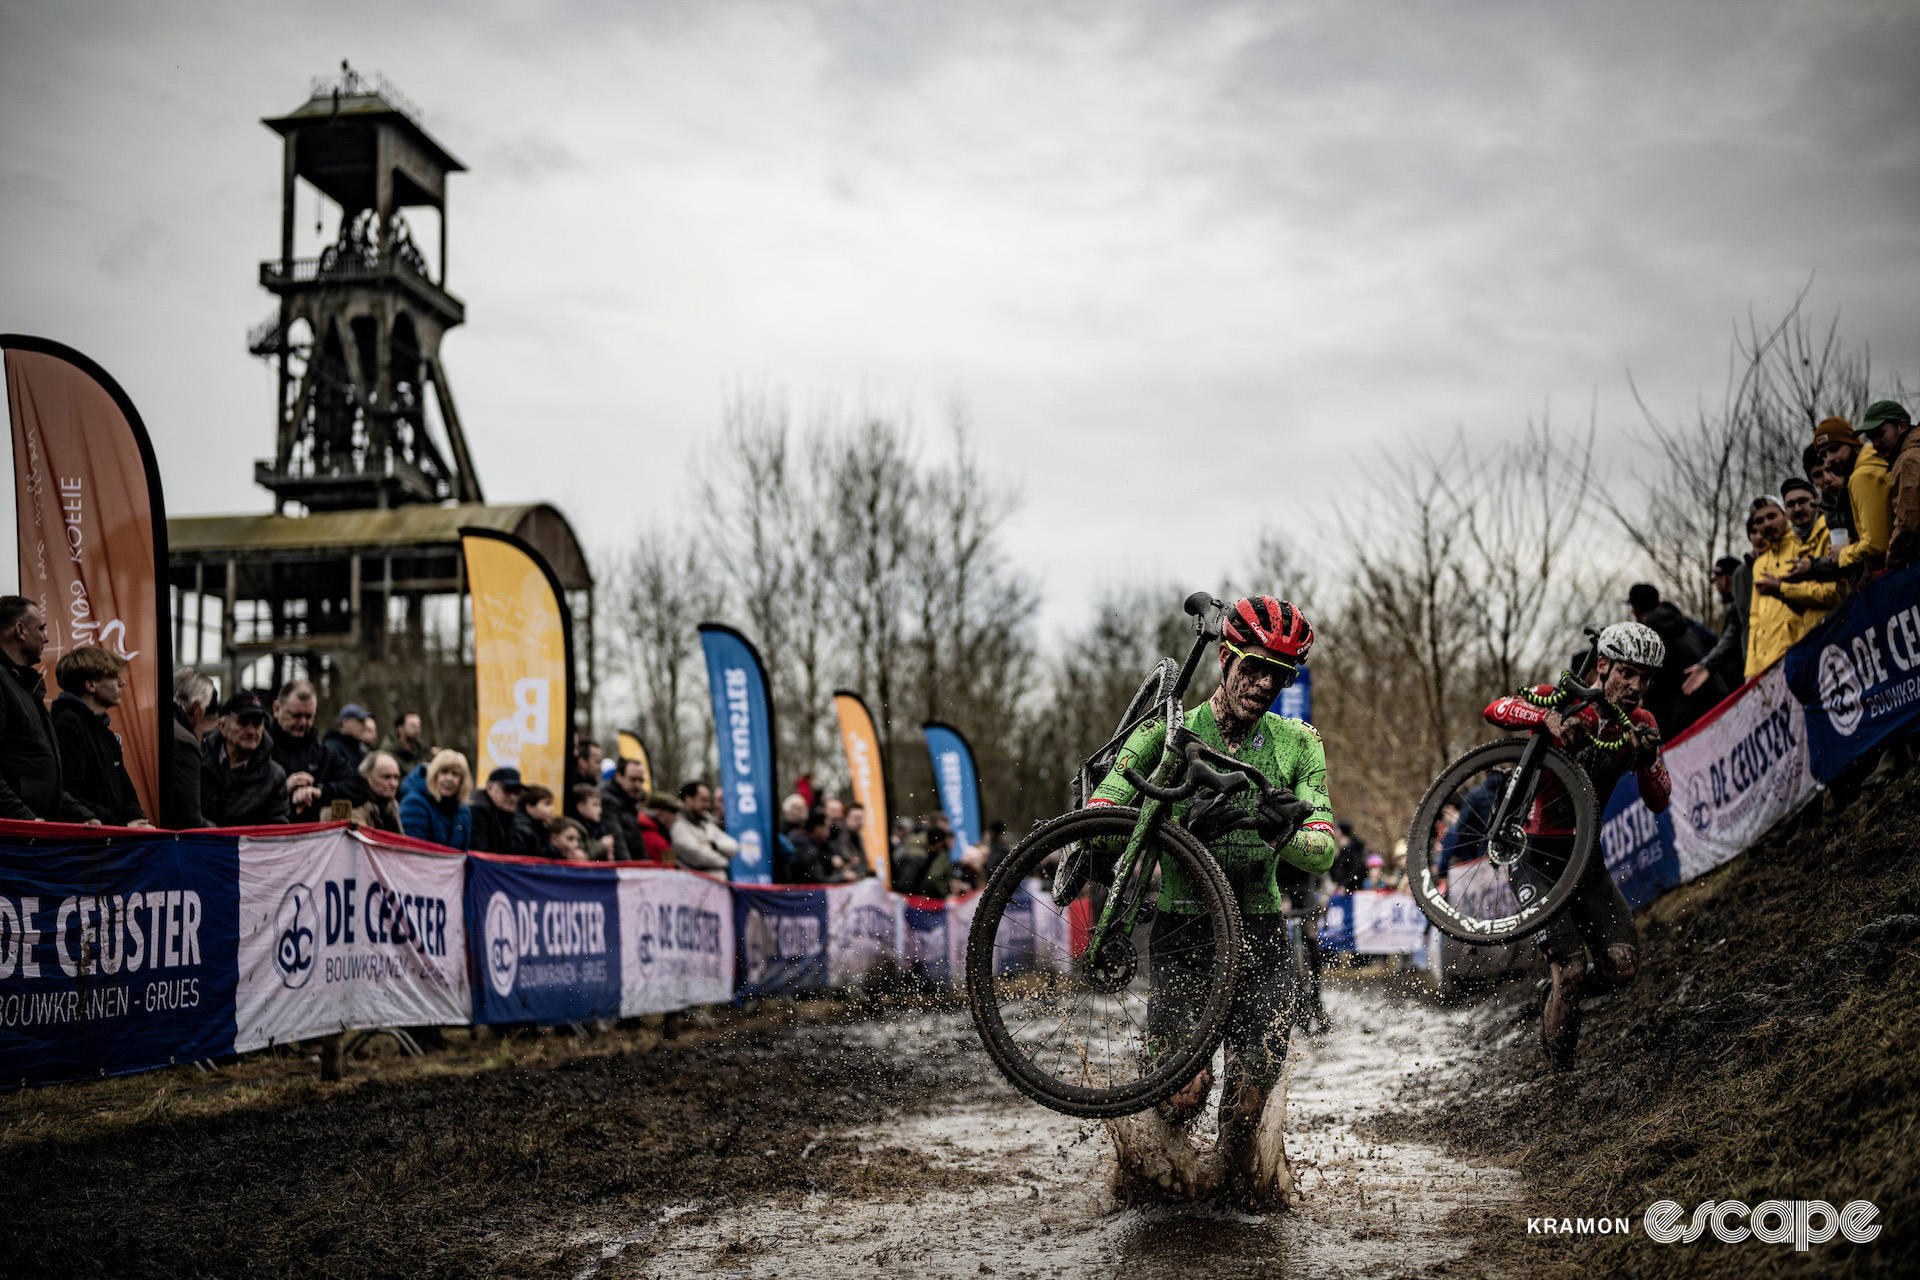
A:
(1220, 254)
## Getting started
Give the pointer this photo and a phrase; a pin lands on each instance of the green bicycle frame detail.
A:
(1122, 911)
(1130, 878)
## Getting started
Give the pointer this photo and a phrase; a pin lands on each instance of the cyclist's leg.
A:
(1180, 971)
(1310, 936)
(1561, 943)
(1256, 1039)
(1605, 921)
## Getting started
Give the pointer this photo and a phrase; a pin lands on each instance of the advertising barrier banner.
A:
(780, 940)
(677, 941)
(1736, 772)
(546, 941)
(1858, 672)
(92, 531)
(926, 948)
(1034, 935)
(744, 714)
(1385, 922)
(115, 955)
(864, 926)
(1638, 845)
(339, 932)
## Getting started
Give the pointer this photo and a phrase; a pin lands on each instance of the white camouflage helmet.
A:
(1634, 643)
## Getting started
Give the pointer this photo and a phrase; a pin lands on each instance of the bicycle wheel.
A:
(1125, 1038)
(1480, 905)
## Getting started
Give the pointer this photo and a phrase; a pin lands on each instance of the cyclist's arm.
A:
(1656, 788)
(1312, 847)
(1140, 753)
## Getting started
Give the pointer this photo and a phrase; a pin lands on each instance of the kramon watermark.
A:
(1801, 1223)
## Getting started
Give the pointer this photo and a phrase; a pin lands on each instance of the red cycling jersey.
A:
(1552, 810)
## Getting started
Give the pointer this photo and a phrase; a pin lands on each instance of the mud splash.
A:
(1019, 1190)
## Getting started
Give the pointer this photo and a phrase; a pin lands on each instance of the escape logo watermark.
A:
(1797, 1222)
(1801, 1223)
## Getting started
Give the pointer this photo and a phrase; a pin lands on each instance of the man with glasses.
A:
(1802, 505)
(1263, 644)
(1783, 609)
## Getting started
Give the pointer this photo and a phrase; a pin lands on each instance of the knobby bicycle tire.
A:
(1529, 917)
(1178, 1066)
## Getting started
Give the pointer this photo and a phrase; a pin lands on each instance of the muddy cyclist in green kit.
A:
(1263, 642)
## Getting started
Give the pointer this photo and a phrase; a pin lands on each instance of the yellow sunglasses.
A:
(1284, 672)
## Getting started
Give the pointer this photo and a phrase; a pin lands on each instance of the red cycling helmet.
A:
(1276, 626)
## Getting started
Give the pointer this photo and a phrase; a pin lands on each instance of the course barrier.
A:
(126, 950)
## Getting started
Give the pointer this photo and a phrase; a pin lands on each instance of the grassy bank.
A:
(1769, 1050)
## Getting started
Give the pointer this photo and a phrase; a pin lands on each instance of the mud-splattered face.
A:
(1248, 685)
(1624, 683)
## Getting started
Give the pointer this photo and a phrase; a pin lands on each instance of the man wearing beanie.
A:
(1868, 497)
(1802, 502)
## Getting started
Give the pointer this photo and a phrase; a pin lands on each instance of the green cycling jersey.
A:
(1289, 753)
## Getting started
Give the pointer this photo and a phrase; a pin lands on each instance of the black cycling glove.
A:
(1279, 814)
(1212, 818)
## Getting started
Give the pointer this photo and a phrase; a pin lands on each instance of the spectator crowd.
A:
(254, 761)
(1853, 511)
(257, 760)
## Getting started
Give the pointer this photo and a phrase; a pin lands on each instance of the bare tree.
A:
(1690, 504)
(1522, 521)
(663, 587)
(875, 489)
(972, 641)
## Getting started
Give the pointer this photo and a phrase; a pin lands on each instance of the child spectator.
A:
(530, 820)
(566, 839)
(95, 774)
(586, 808)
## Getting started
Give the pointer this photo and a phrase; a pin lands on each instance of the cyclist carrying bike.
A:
(1598, 920)
(1263, 643)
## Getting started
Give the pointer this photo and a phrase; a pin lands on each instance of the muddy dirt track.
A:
(1770, 1049)
(838, 1146)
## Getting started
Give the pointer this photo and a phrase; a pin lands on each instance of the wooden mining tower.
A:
(362, 320)
(371, 475)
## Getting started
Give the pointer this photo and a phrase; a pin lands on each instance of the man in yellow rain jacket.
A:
(1782, 611)
(1868, 497)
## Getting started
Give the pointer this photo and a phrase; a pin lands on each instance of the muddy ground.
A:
(1770, 1049)
(821, 1143)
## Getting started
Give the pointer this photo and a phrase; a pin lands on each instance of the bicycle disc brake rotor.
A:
(1112, 967)
(1507, 845)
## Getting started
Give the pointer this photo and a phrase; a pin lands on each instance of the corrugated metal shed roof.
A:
(396, 528)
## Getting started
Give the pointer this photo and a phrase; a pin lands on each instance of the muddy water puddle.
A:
(1017, 1190)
